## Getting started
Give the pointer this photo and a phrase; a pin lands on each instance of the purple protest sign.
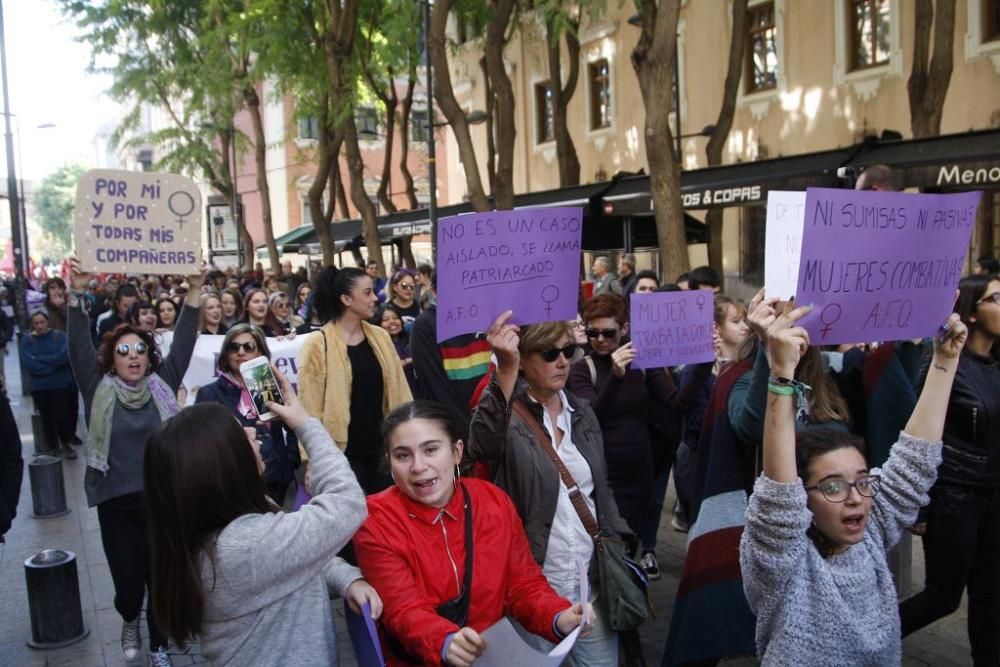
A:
(672, 328)
(527, 261)
(881, 266)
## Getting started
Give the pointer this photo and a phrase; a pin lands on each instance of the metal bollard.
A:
(54, 599)
(48, 492)
(42, 445)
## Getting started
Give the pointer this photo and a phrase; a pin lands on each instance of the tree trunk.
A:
(252, 101)
(491, 129)
(405, 118)
(226, 140)
(569, 163)
(928, 83)
(724, 123)
(503, 90)
(653, 60)
(445, 96)
(391, 101)
(406, 252)
(359, 197)
(326, 155)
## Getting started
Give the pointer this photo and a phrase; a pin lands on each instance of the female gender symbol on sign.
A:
(830, 316)
(700, 300)
(181, 204)
(549, 295)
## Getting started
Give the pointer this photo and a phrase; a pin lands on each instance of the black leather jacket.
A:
(972, 428)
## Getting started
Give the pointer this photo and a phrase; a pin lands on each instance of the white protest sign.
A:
(505, 647)
(203, 368)
(137, 222)
(783, 242)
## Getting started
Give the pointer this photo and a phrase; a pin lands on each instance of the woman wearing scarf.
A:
(127, 392)
(279, 449)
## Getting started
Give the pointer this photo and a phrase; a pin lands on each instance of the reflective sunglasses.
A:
(607, 334)
(553, 354)
(994, 298)
(838, 490)
(406, 286)
(123, 349)
(233, 346)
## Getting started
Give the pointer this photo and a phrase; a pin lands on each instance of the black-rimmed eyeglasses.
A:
(838, 490)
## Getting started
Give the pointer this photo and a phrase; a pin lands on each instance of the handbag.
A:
(622, 582)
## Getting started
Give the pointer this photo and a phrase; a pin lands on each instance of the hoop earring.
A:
(458, 476)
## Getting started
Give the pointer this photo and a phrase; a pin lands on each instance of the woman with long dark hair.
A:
(44, 357)
(232, 306)
(278, 448)
(962, 538)
(248, 581)
(351, 375)
(127, 390)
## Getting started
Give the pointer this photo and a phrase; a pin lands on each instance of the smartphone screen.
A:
(262, 385)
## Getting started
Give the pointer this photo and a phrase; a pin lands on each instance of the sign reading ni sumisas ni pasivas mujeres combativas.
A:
(526, 260)
(138, 222)
(880, 266)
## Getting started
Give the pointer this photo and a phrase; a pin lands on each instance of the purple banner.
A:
(672, 328)
(527, 261)
(881, 266)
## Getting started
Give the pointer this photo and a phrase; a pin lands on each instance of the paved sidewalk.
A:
(943, 644)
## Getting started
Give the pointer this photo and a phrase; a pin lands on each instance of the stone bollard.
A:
(54, 599)
(48, 492)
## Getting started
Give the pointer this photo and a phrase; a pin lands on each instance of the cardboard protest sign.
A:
(672, 328)
(137, 222)
(783, 242)
(527, 261)
(203, 368)
(881, 266)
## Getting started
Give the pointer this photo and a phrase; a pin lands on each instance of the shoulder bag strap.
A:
(575, 496)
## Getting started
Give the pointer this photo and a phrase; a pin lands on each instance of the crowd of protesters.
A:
(416, 477)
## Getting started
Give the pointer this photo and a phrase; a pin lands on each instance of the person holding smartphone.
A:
(248, 580)
(128, 390)
(279, 447)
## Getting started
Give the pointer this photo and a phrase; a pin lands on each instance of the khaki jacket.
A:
(325, 378)
(521, 467)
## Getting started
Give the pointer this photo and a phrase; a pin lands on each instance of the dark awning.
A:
(965, 161)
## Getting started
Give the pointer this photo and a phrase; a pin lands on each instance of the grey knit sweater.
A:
(841, 610)
(266, 600)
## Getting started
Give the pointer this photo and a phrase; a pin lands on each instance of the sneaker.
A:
(160, 658)
(680, 525)
(131, 641)
(649, 564)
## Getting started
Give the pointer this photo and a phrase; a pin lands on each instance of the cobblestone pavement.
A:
(943, 644)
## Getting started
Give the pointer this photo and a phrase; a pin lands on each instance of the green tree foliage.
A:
(53, 202)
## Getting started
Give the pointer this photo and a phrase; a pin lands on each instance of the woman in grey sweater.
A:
(819, 522)
(249, 580)
(128, 390)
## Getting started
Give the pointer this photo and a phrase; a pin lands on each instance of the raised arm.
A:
(185, 335)
(82, 354)
(488, 430)
(927, 420)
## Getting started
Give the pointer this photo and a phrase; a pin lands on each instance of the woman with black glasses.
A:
(526, 400)
(279, 449)
(128, 391)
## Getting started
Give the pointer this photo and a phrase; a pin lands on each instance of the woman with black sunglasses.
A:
(128, 391)
(525, 402)
(279, 448)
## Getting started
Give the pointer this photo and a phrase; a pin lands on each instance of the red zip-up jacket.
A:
(414, 556)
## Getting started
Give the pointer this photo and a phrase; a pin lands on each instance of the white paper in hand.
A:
(584, 591)
(783, 242)
(504, 647)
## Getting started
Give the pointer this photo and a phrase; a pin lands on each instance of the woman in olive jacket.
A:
(532, 367)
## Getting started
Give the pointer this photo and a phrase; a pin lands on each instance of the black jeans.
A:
(961, 550)
(57, 408)
(123, 533)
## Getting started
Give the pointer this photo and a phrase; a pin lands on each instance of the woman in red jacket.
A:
(441, 583)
